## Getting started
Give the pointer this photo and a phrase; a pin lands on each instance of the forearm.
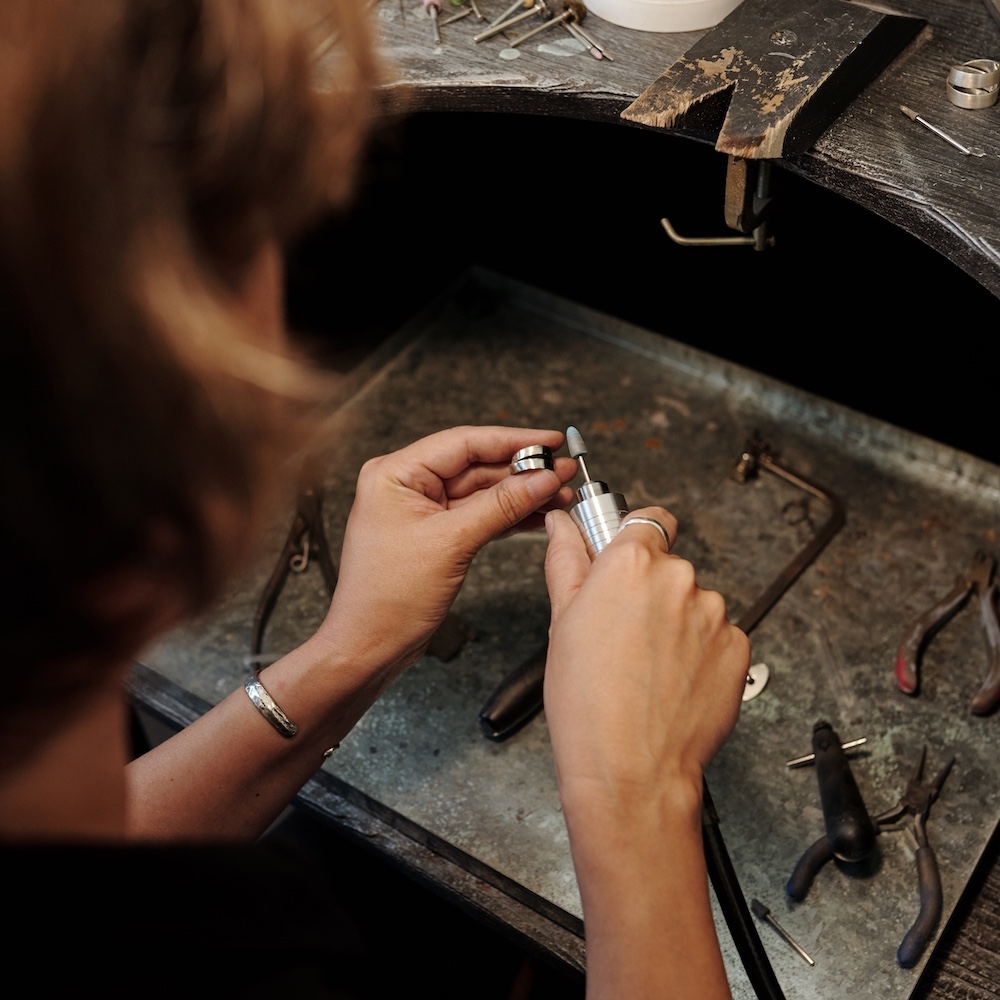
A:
(647, 911)
(230, 773)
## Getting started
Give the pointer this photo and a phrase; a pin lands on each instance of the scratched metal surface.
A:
(665, 424)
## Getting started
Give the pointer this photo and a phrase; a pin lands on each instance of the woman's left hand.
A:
(419, 517)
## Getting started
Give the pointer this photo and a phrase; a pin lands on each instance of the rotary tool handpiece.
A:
(598, 511)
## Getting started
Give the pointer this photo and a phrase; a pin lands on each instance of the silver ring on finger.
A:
(648, 520)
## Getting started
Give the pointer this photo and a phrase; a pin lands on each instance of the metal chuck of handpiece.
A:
(598, 511)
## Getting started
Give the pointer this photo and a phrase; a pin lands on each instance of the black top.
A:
(291, 917)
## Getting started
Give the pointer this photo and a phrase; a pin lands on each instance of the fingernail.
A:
(542, 484)
(550, 524)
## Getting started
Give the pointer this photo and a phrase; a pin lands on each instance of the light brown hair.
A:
(148, 150)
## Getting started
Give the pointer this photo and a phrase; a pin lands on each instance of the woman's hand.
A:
(643, 683)
(420, 515)
(645, 675)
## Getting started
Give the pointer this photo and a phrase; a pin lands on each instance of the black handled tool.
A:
(916, 802)
(850, 831)
(306, 541)
(516, 700)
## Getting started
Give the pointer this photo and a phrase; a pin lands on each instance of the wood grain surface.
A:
(871, 154)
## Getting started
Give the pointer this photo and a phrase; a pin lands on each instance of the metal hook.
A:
(748, 198)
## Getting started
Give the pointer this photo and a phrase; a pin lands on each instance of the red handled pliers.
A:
(979, 580)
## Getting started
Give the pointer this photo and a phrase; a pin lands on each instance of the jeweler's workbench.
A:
(872, 154)
(664, 424)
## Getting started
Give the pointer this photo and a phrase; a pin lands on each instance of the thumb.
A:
(566, 561)
(508, 502)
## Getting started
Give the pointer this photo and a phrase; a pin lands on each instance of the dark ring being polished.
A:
(648, 520)
(535, 456)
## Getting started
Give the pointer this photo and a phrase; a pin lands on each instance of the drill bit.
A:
(510, 11)
(577, 449)
(967, 150)
(760, 910)
(433, 8)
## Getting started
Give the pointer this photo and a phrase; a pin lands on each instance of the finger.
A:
(655, 522)
(478, 477)
(490, 513)
(566, 561)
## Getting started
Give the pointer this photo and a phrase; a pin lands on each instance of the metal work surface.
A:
(665, 424)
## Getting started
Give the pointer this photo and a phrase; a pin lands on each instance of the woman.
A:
(156, 157)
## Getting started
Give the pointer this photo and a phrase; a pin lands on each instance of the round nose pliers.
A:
(916, 802)
(979, 580)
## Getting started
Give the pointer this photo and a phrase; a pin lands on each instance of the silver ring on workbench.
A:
(974, 84)
(648, 520)
(976, 74)
(963, 97)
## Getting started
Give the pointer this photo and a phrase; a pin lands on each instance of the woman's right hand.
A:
(643, 683)
(645, 675)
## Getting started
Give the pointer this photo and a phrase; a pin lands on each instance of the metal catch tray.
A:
(665, 424)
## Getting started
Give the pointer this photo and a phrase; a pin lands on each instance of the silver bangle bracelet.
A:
(268, 708)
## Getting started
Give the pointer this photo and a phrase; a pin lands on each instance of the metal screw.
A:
(810, 757)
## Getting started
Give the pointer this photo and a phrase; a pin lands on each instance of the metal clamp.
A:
(748, 199)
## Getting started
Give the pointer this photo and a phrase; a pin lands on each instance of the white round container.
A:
(663, 15)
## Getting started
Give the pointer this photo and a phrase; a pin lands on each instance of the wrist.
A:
(323, 689)
(626, 817)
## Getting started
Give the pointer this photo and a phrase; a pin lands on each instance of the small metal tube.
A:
(538, 8)
(598, 513)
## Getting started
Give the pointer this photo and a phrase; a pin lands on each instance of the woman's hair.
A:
(149, 149)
